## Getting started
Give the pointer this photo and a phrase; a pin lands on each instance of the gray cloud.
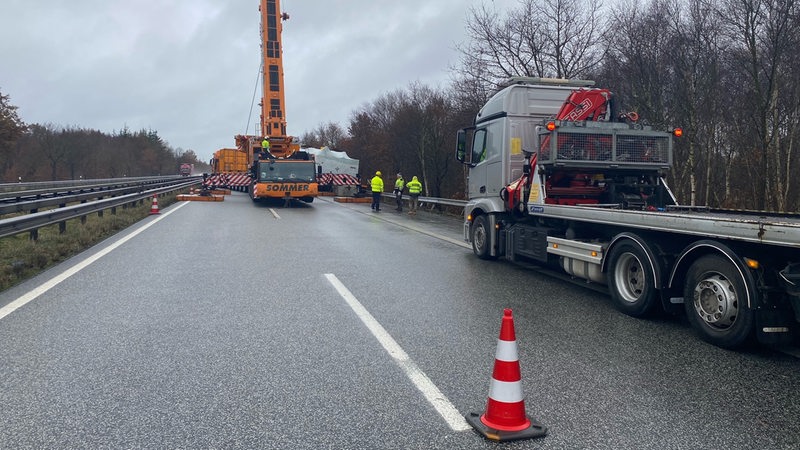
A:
(188, 68)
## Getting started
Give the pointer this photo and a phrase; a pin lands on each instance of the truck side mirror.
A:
(526, 169)
(461, 146)
(463, 143)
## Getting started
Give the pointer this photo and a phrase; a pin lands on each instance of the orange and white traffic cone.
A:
(154, 208)
(505, 418)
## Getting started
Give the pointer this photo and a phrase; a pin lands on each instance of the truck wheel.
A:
(631, 282)
(714, 299)
(480, 238)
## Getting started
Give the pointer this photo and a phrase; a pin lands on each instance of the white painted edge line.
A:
(457, 242)
(53, 282)
(274, 213)
(434, 396)
(387, 218)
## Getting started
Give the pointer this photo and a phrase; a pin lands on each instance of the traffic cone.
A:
(154, 208)
(505, 418)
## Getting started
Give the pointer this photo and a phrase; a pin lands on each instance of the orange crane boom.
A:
(281, 170)
(273, 103)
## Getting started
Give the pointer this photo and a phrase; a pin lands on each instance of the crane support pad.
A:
(352, 199)
(200, 198)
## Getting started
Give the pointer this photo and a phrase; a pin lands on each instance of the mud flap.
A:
(774, 326)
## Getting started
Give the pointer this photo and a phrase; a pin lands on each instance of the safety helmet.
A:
(378, 173)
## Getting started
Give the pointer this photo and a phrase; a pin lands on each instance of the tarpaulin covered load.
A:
(333, 162)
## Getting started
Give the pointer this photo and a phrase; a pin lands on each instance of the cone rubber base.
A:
(535, 430)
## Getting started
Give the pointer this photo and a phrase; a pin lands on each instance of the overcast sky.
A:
(188, 68)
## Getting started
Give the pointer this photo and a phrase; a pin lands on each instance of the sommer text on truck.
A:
(558, 177)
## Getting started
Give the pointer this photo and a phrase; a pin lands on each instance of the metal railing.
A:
(430, 202)
(34, 200)
(38, 188)
(35, 220)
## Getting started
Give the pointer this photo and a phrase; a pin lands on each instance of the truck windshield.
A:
(286, 171)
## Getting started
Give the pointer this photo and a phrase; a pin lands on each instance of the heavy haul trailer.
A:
(588, 198)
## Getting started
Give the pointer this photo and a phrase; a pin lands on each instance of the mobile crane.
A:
(558, 178)
(283, 171)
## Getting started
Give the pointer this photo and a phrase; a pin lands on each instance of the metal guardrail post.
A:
(32, 222)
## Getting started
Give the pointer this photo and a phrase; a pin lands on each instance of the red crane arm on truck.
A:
(581, 105)
(586, 104)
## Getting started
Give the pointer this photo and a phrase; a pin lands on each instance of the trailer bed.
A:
(773, 229)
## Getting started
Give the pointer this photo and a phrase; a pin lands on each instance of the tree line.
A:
(723, 70)
(42, 152)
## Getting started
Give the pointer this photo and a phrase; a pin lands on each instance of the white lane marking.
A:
(274, 213)
(53, 282)
(458, 242)
(434, 396)
(387, 218)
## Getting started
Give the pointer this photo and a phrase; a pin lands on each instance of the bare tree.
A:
(572, 30)
(696, 52)
(638, 58)
(425, 119)
(329, 135)
(541, 38)
(411, 131)
(763, 35)
(371, 137)
(11, 128)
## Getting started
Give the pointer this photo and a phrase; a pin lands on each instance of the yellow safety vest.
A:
(377, 184)
(414, 186)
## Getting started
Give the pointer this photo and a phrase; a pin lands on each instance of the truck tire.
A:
(479, 235)
(714, 299)
(630, 280)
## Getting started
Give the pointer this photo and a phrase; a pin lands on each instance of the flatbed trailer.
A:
(590, 199)
(753, 227)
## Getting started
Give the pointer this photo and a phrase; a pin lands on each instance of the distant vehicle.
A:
(186, 169)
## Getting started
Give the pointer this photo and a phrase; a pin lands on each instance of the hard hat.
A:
(378, 173)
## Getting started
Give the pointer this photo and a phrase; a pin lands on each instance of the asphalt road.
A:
(233, 325)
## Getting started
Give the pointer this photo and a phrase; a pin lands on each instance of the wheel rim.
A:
(715, 301)
(629, 278)
(479, 237)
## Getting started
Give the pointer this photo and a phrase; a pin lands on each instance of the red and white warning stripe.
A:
(232, 179)
(505, 409)
(337, 179)
(154, 206)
